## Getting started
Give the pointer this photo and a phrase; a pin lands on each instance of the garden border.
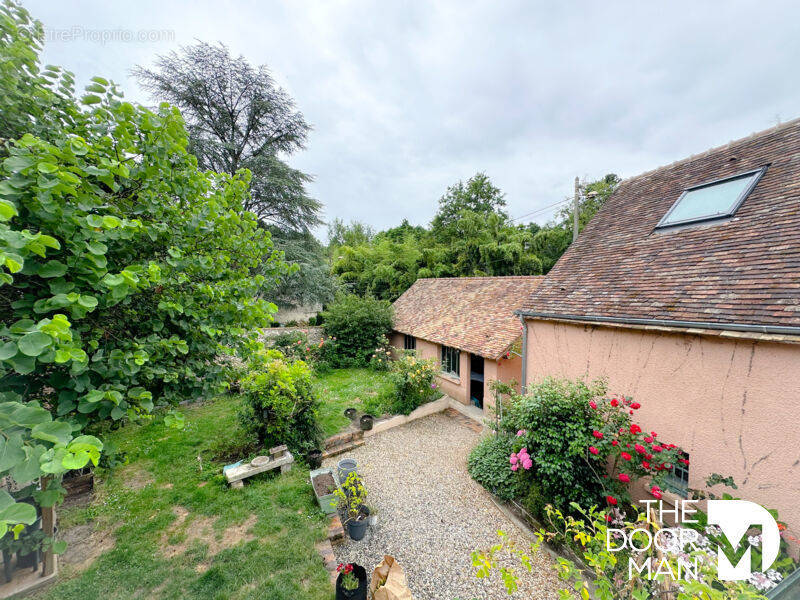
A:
(430, 408)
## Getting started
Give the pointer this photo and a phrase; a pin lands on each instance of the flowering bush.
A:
(295, 345)
(382, 357)
(582, 447)
(356, 325)
(631, 452)
(488, 465)
(414, 380)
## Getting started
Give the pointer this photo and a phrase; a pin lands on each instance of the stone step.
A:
(344, 438)
(326, 554)
(335, 530)
(342, 448)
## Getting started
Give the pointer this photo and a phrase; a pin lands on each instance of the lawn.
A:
(344, 388)
(180, 533)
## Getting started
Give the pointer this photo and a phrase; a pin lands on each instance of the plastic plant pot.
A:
(357, 529)
(344, 467)
(360, 593)
(366, 422)
(315, 459)
(350, 413)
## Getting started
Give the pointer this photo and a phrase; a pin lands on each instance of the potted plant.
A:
(366, 422)
(373, 516)
(350, 413)
(324, 484)
(352, 500)
(315, 458)
(351, 583)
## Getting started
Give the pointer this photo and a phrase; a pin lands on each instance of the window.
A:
(409, 342)
(678, 477)
(712, 200)
(451, 363)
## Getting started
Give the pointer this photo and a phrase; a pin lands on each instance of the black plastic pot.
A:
(367, 422)
(350, 413)
(315, 459)
(358, 529)
(344, 467)
(360, 593)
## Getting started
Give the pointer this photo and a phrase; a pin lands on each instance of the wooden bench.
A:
(279, 456)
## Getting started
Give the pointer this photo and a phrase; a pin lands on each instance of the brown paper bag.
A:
(389, 582)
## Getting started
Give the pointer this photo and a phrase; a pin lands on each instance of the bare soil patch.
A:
(202, 528)
(85, 544)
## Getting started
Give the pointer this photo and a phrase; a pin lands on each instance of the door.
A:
(476, 380)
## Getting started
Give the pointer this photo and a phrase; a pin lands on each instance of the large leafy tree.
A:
(478, 195)
(125, 269)
(237, 118)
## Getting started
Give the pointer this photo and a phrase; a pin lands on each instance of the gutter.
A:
(768, 329)
(589, 319)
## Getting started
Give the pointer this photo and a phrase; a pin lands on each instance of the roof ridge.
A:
(691, 157)
(481, 277)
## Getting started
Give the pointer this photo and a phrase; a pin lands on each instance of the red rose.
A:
(615, 443)
(656, 492)
(594, 450)
(593, 404)
(640, 449)
(623, 478)
(654, 434)
(683, 460)
(614, 402)
(626, 456)
(648, 439)
(645, 464)
(657, 448)
(597, 434)
(635, 429)
(611, 500)
(635, 405)
(648, 456)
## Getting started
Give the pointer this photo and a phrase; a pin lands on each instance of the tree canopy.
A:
(470, 235)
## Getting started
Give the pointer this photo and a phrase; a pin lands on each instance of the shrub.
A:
(534, 501)
(381, 359)
(414, 382)
(279, 405)
(488, 465)
(357, 326)
(291, 344)
(555, 423)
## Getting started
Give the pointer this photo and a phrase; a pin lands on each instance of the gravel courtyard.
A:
(432, 515)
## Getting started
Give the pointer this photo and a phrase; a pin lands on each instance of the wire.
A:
(542, 209)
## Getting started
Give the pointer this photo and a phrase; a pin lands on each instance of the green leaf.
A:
(87, 301)
(91, 99)
(7, 210)
(11, 453)
(57, 432)
(19, 512)
(34, 343)
(8, 350)
(53, 268)
(46, 167)
(15, 164)
(75, 461)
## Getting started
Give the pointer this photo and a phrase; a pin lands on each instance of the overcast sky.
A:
(406, 98)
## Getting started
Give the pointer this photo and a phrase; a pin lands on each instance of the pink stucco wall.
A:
(733, 405)
(458, 388)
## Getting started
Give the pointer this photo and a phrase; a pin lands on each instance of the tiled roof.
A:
(475, 314)
(744, 270)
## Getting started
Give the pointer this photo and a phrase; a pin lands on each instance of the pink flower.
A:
(657, 448)
(649, 439)
(593, 404)
(513, 459)
(597, 434)
(640, 449)
(514, 467)
(594, 450)
(527, 464)
(521, 432)
(524, 450)
(623, 478)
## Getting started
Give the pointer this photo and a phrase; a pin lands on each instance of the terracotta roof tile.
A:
(742, 270)
(475, 314)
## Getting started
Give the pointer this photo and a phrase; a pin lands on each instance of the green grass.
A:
(345, 388)
(280, 563)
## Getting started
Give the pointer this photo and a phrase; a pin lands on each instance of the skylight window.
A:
(712, 200)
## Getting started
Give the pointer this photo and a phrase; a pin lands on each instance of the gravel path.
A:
(432, 515)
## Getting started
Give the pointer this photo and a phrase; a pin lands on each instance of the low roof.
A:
(475, 314)
(743, 271)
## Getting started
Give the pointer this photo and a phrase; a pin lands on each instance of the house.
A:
(684, 292)
(467, 325)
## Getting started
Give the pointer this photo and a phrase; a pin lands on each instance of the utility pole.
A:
(575, 204)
